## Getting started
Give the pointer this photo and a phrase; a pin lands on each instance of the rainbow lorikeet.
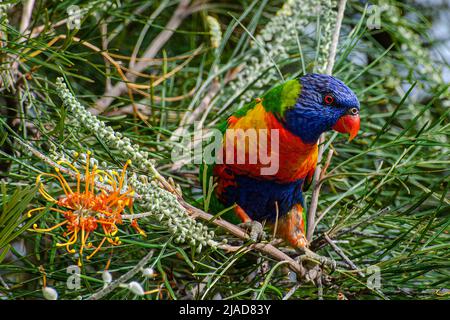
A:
(297, 112)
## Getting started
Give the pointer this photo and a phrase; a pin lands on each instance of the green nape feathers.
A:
(276, 100)
(282, 97)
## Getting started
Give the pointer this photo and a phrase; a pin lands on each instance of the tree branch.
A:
(26, 15)
(343, 255)
(123, 279)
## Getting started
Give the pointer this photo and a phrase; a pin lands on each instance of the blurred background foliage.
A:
(385, 201)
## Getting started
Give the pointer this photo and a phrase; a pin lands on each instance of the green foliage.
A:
(13, 221)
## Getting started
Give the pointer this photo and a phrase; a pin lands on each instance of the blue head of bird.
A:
(324, 103)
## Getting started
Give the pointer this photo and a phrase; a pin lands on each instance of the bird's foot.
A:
(311, 256)
(256, 230)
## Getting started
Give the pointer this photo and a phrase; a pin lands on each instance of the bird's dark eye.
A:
(354, 111)
(328, 99)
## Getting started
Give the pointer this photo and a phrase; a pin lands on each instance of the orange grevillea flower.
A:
(87, 209)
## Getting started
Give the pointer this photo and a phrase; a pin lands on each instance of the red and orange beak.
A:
(348, 123)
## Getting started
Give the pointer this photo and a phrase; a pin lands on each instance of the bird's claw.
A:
(256, 230)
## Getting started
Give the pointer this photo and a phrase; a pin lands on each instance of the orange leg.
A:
(241, 214)
(291, 227)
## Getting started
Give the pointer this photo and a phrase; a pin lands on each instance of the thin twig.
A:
(123, 279)
(3, 283)
(334, 43)
(327, 163)
(319, 286)
(27, 12)
(320, 182)
(26, 15)
(343, 255)
(318, 171)
(291, 291)
(38, 30)
(104, 34)
(137, 215)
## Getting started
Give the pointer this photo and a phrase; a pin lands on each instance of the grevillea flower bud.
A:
(148, 272)
(106, 276)
(136, 288)
(50, 293)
